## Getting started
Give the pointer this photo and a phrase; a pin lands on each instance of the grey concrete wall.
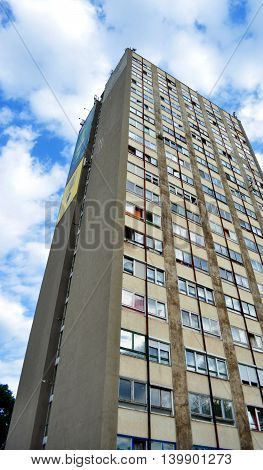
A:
(84, 409)
(39, 347)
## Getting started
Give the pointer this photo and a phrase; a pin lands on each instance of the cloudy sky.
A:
(55, 55)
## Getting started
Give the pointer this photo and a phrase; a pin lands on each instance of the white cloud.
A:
(251, 115)
(14, 331)
(6, 116)
(26, 184)
(66, 40)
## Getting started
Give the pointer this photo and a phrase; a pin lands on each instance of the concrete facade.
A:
(148, 329)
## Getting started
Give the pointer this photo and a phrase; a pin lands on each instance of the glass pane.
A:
(150, 274)
(139, 270)
(186, 318)
(214, 327)
(191, 290)
(205, 405)
(153, 352)
(139, 302)
(190, 360)
(222, 368)
(139, 444)
(235, 333)
(228, 409)
(243, 373)
(126, 339)
(160, 277)
(161, 310)
(128, 265)
(155, 445)
(152, 307)
(217, 408)
(206, 324)
(138, 237)
(127, 298)
(139, 343)
(164, 356)
(125, 389)
(201, 293)
(194, 403)
(149, 242)
(139, 392)
(155, 397)
(252, 376)
(130, 208)
(252, 418)
(195, 321)
(124, 443)
(212, 366)
(168, 446)
(182, 286)
(166, 400)
(201, 362)
(260, 419)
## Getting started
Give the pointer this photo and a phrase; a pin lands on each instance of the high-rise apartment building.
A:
(148, 328)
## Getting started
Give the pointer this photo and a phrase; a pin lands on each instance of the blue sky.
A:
(54, 57)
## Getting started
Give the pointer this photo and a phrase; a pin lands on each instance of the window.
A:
(200, 407)
(153, 219)
(132, 300)
(249, 309)
(242, 281)
(257, 265)
(155, 275)
(190, 319)
(235, 256)
(136, 170)
(223, 410)
(180, 231)
(159, 352)
(197, 362)
(133, 236)
(138, 443)
(132, 393)
(221, 250)
(183, 257)
(256, 341)
(255, 417)
(151, 178)
(150, 196)
(161, 400)
(156, 308)
(239, 336)
(133, 210)
(248, 375)
(132, 344)
(197, 239)
(194, 290)
(226, 275)
(211, 326)
(177, 209)
(200, 263)
(233, 303)
(154, 245)
(134, 188)
(134, 267)
(216, 228)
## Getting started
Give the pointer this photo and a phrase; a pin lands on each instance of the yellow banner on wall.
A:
(70, 190)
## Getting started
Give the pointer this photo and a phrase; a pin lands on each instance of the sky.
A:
(55, 55)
